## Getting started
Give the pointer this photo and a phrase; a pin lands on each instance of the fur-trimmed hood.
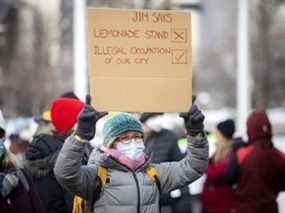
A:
(41, 167)
(42, 154)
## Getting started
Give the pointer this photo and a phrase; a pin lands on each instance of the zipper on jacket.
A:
(138, 190)
(137, 183)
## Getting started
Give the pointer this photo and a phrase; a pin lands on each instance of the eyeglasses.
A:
(127, 137)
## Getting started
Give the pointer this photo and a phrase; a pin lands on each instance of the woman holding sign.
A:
(119, 177)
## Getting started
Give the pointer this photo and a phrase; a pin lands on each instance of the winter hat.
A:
(147, 115)
(21, 130)
(69, 95)
(64, 112)
(227, 128)
(42, 145)
(44, 118)
(118, 124)
(258, 126)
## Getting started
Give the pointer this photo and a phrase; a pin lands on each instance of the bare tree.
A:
(23, 61)
(263, 64)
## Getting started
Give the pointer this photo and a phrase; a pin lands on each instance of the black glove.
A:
(193, 119)
(86, 120)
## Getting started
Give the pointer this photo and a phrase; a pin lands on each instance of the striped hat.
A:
(119, 124)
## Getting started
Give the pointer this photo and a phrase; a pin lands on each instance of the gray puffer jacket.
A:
(127, 191)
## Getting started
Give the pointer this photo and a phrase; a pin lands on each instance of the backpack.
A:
(79, 204)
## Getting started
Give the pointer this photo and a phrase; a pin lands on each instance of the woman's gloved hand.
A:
(194, 119)
(87, 119)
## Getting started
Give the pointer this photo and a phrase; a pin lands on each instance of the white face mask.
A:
(132, 148)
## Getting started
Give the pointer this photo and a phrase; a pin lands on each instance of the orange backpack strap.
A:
(101, 180)
(79, 204)
(153, 174)
(102, 174)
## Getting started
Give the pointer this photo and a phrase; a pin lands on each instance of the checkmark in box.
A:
(179, 56)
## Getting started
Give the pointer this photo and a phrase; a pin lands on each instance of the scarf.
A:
(131, 164)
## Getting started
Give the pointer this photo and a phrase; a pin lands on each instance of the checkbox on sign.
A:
(179, 35)
(179, 56)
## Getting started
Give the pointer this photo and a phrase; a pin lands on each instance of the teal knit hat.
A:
(118, 124)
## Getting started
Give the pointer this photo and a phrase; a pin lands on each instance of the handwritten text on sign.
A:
(140, 60)
(137, 54)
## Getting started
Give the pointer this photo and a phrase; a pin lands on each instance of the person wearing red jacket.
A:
(258, 169)
(217, 195)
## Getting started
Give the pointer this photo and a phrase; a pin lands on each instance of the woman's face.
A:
(130, 144)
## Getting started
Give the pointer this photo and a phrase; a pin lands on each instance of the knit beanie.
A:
(119, 124)
(258, 126)
(64, 112)
(227, 128)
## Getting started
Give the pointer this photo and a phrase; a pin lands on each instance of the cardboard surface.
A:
(140, 60)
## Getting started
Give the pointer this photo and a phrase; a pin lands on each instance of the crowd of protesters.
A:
(139, 167)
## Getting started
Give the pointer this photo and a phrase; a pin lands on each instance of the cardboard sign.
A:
(140, 60)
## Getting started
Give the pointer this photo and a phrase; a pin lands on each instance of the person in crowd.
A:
(258, 169)
(217, 195)
(17, 193)
(161, 146)
(63, 115)
(19, 133)
(18, 146)
(43, 151)
(238, 143)
(160, 143)
(44, 123)
(128, 188)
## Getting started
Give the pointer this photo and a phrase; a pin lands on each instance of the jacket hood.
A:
(41, 167)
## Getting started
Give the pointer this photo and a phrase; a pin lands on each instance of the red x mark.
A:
(179, 35)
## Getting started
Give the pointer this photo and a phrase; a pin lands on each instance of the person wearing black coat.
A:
(40, 159)
(161, 146)
(43, 152)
